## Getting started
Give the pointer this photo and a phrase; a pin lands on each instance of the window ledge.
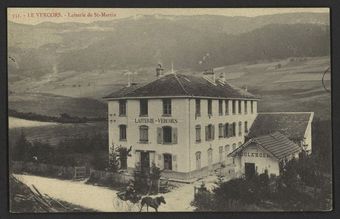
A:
(122, 140)
(166, 115)
(143, 142)
(198, 141)
(122, 115)
(144, 115)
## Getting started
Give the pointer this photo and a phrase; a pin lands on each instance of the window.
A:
(198, 107)
(209, 132)
(234, 146)
(245, 107)
(220, 107)
(166, 106)
(234, 106)
(167, 134)
(220, 130)
(122, 132)
(239, 107)
(226, 130)
(234, 129)
(143, 133)
(122, 107)
(198, 133)
(167, 161)
(245, 127)
(239, 128)
(252, 106)
(209, 107)
(227, 107)
(143, 106)
(220, 153)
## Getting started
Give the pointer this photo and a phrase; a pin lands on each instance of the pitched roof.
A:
(291, 124)
(173, 85)
(276, 143)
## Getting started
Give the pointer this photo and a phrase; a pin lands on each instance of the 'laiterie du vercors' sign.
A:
(155, 120)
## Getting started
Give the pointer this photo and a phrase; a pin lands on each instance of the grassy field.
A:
(292, 84)
(55, 132)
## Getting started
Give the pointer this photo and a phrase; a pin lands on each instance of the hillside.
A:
(144, 41)
(59, 68)
(54, 105)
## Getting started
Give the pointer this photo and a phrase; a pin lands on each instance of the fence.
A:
(115, 178)
(70, 172)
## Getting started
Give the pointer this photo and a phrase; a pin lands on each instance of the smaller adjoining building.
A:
(264, 154)
(296, 126)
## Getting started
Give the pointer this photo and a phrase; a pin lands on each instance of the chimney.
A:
(209, 75)
(222, 78)
(159, 71)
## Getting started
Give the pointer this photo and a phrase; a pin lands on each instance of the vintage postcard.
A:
(169, 109)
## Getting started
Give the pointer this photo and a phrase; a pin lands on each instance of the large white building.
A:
(185, 125)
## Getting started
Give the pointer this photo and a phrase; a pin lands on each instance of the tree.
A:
(21, 148)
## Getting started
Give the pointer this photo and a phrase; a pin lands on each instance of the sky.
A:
(88, 15)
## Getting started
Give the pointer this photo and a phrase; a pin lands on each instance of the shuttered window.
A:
(122, 107)
(122, 132)
(143, 133)
(167, 135)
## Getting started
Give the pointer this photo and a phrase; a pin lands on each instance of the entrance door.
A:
(145, 161)
(210, 159)
(167, 162)
(249, 170)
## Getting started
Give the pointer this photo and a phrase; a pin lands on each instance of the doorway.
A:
(167, 161)
(145, 161)
(249, 170)
(210, 159)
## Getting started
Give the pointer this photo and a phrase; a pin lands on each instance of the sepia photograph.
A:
(169, 109)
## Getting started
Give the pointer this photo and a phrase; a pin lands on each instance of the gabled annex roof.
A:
(291, 124)
(276, 144)
(177, 85)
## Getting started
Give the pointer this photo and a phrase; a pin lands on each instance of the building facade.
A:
(184, 125)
